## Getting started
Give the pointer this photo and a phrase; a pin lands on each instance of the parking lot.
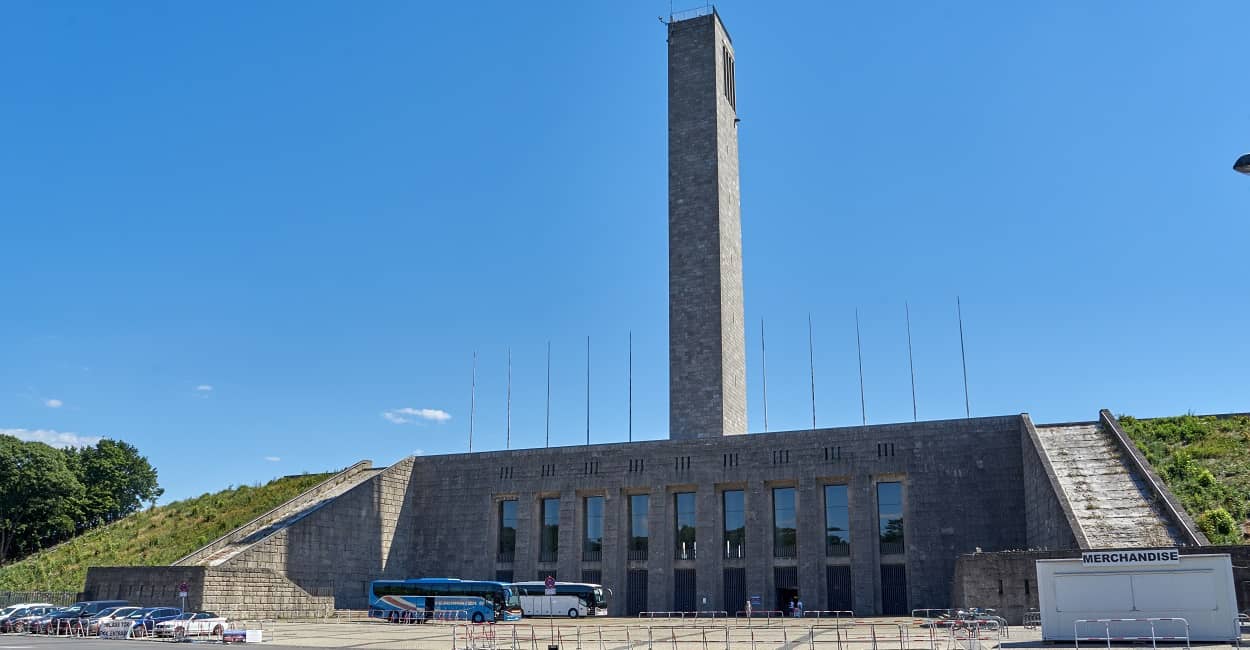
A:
(610, 634)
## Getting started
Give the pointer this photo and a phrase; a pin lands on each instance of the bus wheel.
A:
(478, 618)
(572, 613)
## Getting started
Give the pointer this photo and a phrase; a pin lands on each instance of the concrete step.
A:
(1109, 500)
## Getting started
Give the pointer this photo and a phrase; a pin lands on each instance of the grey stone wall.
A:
(963, 490)
(238, 594)
(337, 549)
(1047, 513)
(707, 354)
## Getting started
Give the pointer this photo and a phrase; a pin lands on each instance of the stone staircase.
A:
(223, 549)
(1111, 503)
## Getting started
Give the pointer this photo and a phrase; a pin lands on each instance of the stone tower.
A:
(707, 355)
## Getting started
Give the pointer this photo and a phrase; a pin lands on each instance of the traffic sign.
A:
(549, 582)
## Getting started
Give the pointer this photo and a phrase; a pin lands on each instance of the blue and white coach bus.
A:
(424, 599)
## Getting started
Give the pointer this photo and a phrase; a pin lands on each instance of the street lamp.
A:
(1243, 164)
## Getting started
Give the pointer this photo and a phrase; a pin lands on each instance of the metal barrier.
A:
(836, 614)
(930, 613)
(665, 614)
(1154, 637)
(1032, 619)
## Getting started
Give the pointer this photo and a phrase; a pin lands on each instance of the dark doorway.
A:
(635, 591)
(894, 589)
(838, 586)
(786, 596)
(735, 590)
(684, 599)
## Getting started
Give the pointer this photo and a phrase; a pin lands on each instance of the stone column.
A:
(569, 561)
(660, 551)
(759, 551)
(865, 562)
(615, 543)
(810, 522)
(709, 576)
(528, 529)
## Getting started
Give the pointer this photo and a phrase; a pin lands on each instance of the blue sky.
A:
(238, 235)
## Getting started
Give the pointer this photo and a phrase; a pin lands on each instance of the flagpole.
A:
(859, 351)
(811, 360)
(963, 357)
(548, 443)
(508, 408)
(911, 364)
(631, 385)
(764, 373)
(472, 400)
(588, 390)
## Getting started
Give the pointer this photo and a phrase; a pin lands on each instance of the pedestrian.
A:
(798, 609)
(748, 610)
(794, 604)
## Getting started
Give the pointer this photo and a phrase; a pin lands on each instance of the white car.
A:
(191, 624)
(111, 614)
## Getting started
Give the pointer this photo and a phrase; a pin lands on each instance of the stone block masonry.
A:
(707, 347)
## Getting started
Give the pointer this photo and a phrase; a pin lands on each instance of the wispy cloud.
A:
(418, 452)
(204, 388)
(272, 459)
(53, 403)
(51, 437)
(407, 414)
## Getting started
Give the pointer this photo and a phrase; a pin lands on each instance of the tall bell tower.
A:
(707, 347)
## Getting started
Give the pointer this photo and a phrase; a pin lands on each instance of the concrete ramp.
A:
(226, 547)
(1111, 503)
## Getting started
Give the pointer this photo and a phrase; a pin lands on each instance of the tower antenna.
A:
(472, 400)
(911, 363)
(859, 351)
(764, 373)
(963, 357)
(811, 362)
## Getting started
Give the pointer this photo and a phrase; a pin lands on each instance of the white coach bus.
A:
(572, 599)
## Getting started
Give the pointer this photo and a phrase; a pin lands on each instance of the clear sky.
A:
(245, 236)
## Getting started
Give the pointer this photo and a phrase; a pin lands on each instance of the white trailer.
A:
(1117, 592)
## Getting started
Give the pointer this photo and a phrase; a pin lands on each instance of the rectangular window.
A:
(507, 531)
(550, 546)
(592, 543)
(683, 509)
(735, 523)
(837, 521)
(890, 516)
(784, 541)
(639, 535)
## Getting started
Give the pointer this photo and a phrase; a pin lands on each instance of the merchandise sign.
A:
(1156, 557)
(756, 601)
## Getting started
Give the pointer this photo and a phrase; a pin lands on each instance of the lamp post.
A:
(1243, 164)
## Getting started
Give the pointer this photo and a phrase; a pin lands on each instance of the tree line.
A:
(48, 495)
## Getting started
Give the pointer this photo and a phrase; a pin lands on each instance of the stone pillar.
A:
(615, 544)
(569, 564)
(810, 523)
(528, 529)
(660, 551)
(708, 564)
(865, 561)
(759, 551)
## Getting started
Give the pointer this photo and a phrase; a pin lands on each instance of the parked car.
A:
(93, 623)
(21, 621)
(74, 616)
(191, 624)
(19, 610)
(138, 623)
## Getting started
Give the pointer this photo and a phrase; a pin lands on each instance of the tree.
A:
(39, 496)
(116, 478)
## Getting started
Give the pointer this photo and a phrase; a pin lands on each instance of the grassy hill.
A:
(1205, 461)
(153, 537)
